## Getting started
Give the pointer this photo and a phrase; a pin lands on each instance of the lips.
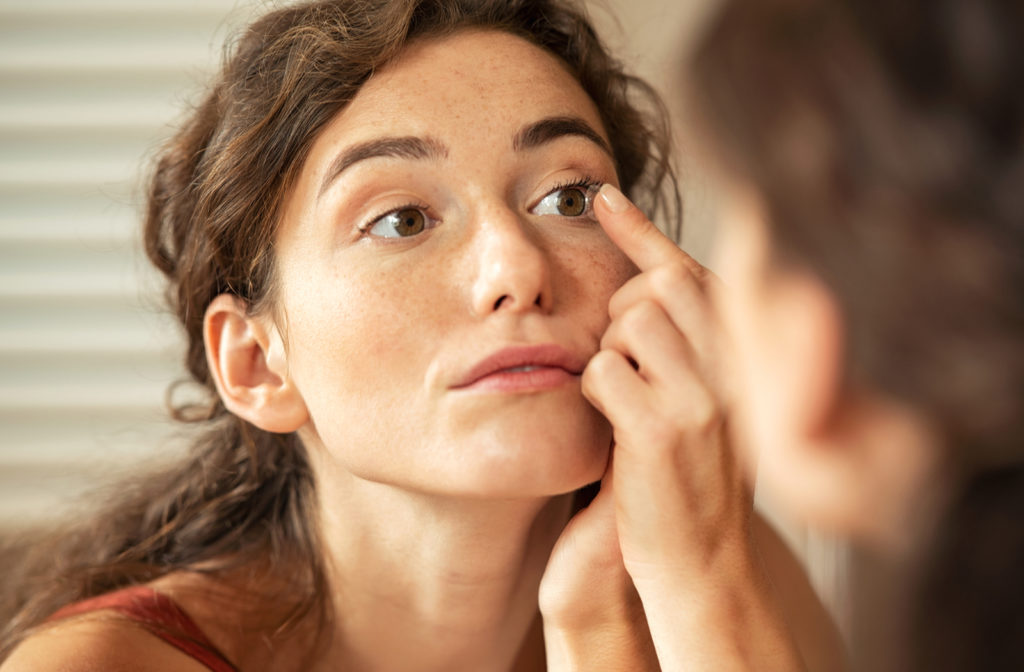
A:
(522, 368)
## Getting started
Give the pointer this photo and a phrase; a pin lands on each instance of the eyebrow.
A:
(552, 128)
(408, 147)
(427, 148)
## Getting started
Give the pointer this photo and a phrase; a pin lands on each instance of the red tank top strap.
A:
(161, 616)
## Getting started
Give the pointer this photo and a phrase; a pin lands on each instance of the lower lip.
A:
(534, 380)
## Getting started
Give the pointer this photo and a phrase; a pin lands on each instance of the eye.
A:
(574, 200)
(402, 223)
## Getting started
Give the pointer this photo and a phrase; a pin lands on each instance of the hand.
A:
(593, 618)
(682, 504)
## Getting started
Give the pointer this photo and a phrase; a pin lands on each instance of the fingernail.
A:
(613, 199)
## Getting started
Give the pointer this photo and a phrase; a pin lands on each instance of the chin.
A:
(539, 459)
(506, 453)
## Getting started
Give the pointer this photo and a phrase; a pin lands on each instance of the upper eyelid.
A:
(587, 183)
(371, 221)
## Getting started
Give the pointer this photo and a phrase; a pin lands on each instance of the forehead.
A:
(474, 84)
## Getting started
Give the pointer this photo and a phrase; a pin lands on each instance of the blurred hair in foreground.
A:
(886, 141)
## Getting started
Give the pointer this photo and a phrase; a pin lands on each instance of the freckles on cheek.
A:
(600, 271)
(612, 268)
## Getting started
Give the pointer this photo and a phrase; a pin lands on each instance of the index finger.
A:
(634, 234)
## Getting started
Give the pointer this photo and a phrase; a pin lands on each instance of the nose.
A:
(513, 270)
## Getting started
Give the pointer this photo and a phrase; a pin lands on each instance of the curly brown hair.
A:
(243, 496)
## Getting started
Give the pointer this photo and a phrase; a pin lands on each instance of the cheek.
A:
(599, 269)
(353, 340)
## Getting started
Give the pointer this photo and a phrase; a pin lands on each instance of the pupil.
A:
(572, 202)
(410, 222)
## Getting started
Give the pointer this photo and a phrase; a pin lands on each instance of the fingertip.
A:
(630, 229)
(614, 200)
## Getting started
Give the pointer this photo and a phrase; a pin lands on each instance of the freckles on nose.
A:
(512, 270)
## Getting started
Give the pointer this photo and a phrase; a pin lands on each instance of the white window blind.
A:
(87, 91)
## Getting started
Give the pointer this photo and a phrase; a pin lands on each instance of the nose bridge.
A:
(512, 268)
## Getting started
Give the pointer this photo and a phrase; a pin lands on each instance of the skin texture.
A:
(378, 331)
(682, 508)
(439, 505)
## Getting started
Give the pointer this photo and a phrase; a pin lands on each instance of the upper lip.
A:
(548, 355)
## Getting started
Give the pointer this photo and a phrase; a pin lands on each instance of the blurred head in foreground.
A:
(873, 158)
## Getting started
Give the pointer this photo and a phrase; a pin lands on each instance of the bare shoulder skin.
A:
(97, 642)
(812, 626)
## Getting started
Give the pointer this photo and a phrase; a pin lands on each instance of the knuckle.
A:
(704, 414)
(597, 371)
(637, 320)
(668, 280)
(600, 364)
(611, 337)
(662, 433)
(619, 301)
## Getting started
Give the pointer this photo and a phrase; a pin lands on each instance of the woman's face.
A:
(439, 292)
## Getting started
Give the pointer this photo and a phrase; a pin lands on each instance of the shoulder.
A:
(813, 627)
(97, 642)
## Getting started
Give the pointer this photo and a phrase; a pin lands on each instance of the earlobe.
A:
(813, 336)
(249, 367)
(812, 463)
(839, 455)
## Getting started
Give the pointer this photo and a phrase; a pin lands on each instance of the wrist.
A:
(625, 645)
(725, 619)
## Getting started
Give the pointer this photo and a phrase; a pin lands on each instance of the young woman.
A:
(873, 155)
(378, 235)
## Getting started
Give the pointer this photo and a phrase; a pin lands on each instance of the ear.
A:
(858, 453)
(247, 360)
(799, 396)
(809, 339)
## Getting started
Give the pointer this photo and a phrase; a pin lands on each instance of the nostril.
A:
(507, 298)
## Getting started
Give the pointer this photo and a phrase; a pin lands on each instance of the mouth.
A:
(520, 369)
(523, 369)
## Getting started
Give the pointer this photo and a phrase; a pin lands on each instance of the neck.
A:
(428, 583)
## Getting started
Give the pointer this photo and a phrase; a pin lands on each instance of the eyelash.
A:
(364, 229)
(588, 184)
(585, 182)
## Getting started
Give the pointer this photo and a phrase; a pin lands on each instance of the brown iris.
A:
(572, 202)
(409, 222)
